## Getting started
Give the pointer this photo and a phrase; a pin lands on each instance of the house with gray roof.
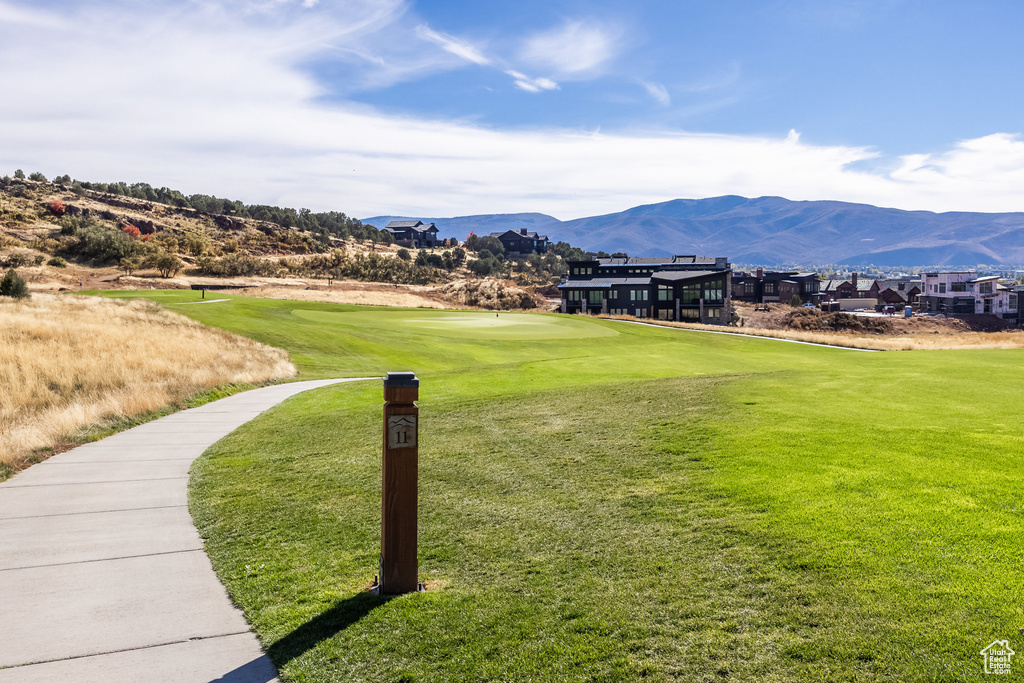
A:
(522, 241)
(414, 234)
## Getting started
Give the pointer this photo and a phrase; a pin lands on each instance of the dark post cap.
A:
(401, 380)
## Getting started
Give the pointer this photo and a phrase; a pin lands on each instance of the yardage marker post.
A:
(398, 564)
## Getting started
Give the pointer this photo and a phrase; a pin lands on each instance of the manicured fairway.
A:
(602, 501)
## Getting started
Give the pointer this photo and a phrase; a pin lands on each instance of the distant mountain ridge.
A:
(774, 231)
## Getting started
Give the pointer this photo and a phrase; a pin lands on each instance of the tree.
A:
(796, 301)
(37, 176)
(19, 174)
(129, 265)
(168, 264)
(13, 285)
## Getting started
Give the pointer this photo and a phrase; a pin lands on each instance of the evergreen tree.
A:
(13, 285)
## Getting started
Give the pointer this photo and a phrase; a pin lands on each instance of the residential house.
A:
(854, 288)
(414, 234)
(762, 286)
(522, 241)
(899, 291)
(964, 293)
(690, 288)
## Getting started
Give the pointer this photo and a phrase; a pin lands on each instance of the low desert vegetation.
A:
(68, 362)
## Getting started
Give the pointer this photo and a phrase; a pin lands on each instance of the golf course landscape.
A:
(605, 501)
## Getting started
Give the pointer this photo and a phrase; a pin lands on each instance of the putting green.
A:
(464, 324)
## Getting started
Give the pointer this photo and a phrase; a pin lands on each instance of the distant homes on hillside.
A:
(413, 234)
(522, 241)
(682, 288)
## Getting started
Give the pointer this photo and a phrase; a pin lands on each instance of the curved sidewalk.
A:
(102, 573)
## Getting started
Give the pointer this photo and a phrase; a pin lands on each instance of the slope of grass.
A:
(609, 502)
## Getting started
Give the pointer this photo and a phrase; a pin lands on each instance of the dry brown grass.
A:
(68, 361)
(908, 342)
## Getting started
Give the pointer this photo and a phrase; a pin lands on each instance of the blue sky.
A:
(565, 107)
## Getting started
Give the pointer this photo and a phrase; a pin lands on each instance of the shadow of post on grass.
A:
(323, 626)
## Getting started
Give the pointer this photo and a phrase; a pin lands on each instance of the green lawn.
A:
(603, 501)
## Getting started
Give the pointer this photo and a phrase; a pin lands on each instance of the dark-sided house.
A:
(689, 288)
(414, 234)
(899, 291)
(854, 288)
(522, 241)
(764, 286)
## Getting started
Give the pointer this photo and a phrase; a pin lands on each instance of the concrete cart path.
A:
(103, 576)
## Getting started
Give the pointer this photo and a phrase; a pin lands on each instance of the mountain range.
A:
(773, 231)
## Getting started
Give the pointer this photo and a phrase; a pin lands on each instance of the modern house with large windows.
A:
(964, 293)
(685, 288)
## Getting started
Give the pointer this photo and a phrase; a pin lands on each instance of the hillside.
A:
(67, 235)
(774, 231)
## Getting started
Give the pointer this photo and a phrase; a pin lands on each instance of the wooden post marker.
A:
(398, 563)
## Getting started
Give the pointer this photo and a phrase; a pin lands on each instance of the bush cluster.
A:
(13, 285)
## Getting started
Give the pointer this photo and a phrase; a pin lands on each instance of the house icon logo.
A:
(997, 657)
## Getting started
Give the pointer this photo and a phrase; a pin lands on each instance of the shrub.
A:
(56, 207)
(106, 245)
(404, 254)
(131, 231)
(168, 264)
(796, 301)
(57, 262)
(17, 260)
(37, 176)
(13, 285)
(38, 259)
(129, 265)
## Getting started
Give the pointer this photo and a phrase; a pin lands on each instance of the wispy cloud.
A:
(575, 49)
(658, 92)
(453, 45)
(534, 85)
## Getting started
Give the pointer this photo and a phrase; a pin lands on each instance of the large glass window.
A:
(985, 288)
(595, 296)
(664, 293)
(691, 294)
(713, 290)
(942, 288)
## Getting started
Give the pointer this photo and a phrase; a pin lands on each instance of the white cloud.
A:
(658, 92)
(222, 104)
(533, 85)
(576, 49)
(455, 46)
